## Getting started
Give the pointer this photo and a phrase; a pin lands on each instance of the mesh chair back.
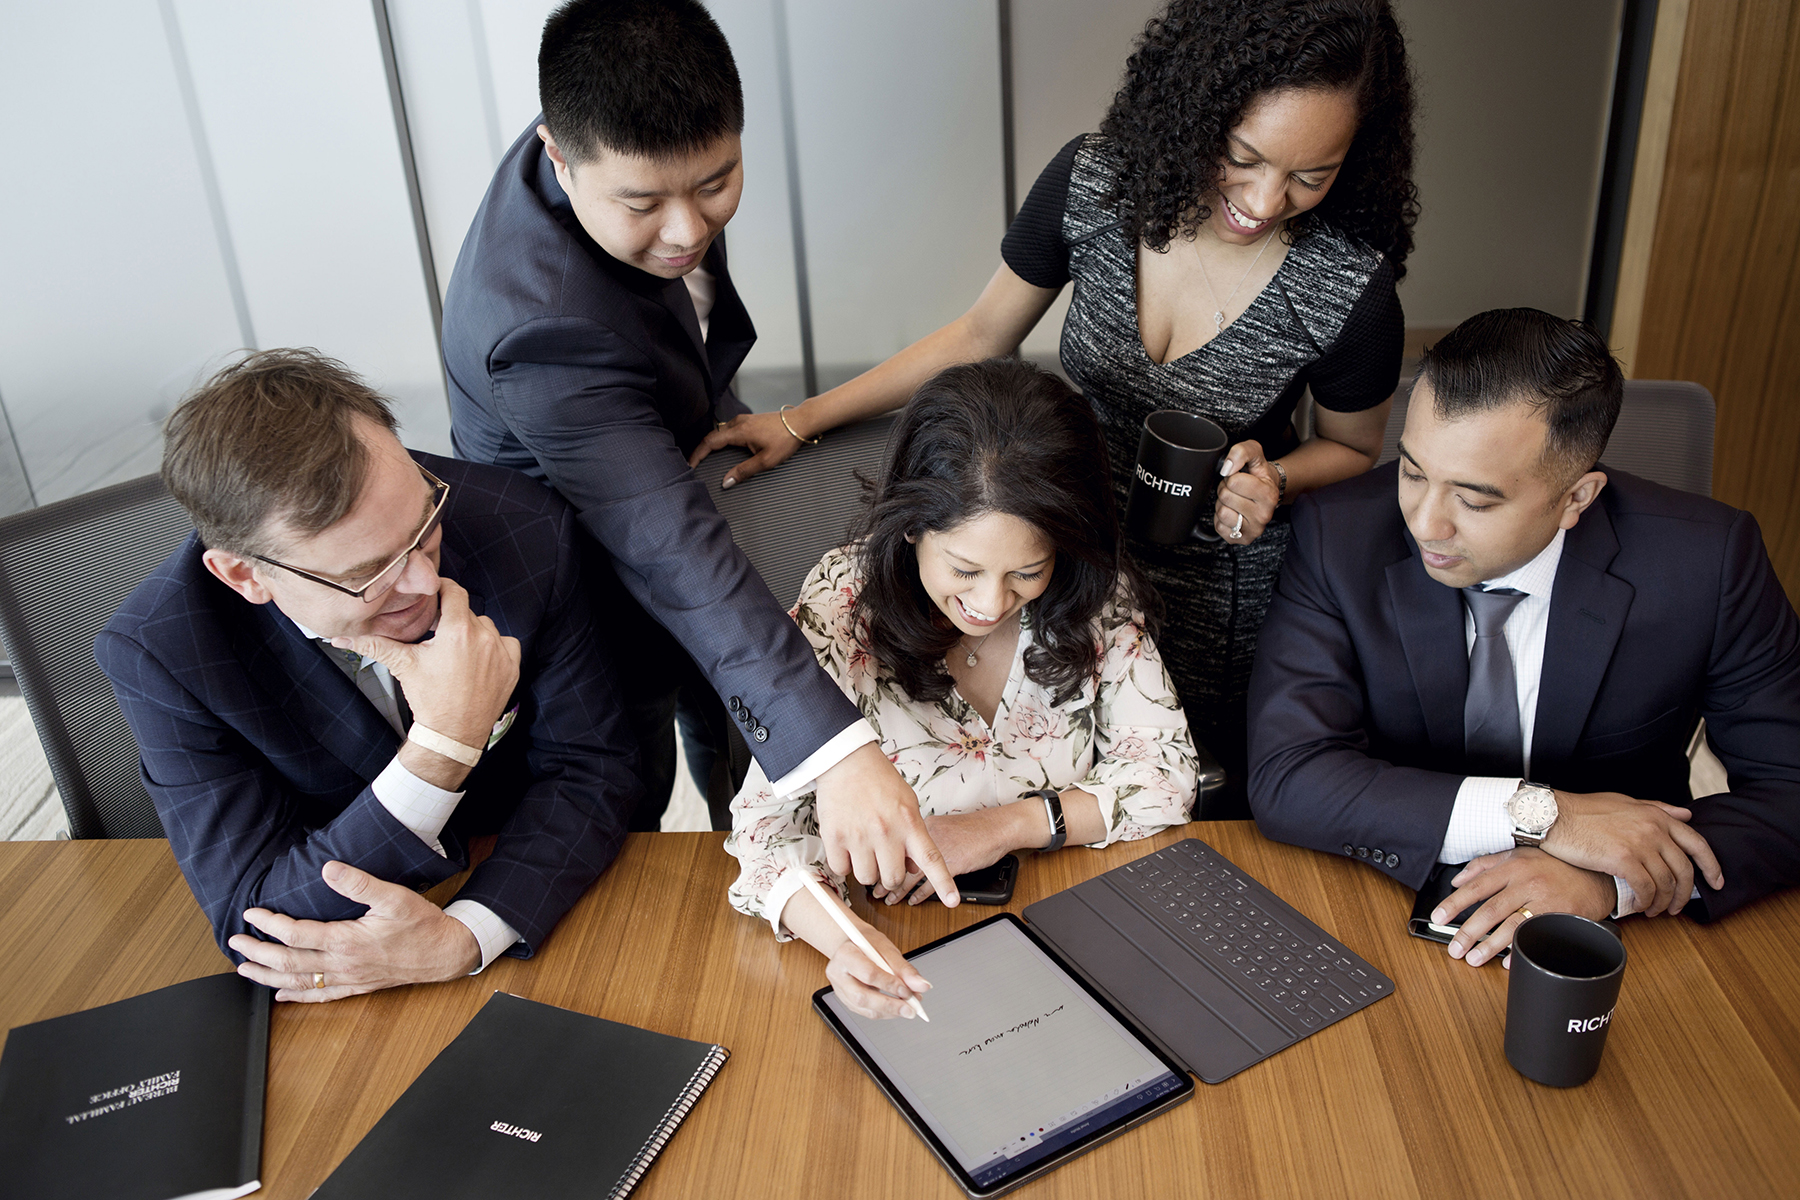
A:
(64, 569)
(785, 519)
(1664, 433)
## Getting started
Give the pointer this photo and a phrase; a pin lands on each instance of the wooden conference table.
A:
(1699, 1092)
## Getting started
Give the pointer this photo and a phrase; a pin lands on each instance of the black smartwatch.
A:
(1059, 829)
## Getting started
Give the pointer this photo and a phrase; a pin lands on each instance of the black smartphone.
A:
(1437, 889)
(990, 885)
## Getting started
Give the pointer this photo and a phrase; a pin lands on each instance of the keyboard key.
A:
(1280, 995)
(1310, 1020)
(1295, 1007)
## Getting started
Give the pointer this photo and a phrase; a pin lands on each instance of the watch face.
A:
(1532, 809)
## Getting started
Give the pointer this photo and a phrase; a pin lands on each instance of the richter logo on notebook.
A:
(155, 1087)
(528, 1135)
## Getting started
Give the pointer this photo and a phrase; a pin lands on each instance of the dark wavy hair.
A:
(999, 436)
(1199, 66)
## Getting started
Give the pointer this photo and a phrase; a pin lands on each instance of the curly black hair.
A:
(1199, 66)
(986, 437)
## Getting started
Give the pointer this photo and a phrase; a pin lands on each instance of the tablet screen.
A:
(1019, 1060)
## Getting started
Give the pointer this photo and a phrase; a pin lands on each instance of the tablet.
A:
(1021, 1067)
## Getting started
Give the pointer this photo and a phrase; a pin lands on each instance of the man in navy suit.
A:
(591, 332)
(1506, 665)
(362, 658)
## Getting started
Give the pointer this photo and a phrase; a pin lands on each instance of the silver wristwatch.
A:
(1532, 811)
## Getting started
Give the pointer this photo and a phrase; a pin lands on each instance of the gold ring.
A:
(318, 979)
(1525, 912)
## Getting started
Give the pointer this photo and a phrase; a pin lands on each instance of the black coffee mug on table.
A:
(1176, 480)
(1566, 972)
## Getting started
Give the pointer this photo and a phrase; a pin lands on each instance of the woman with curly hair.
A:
(993, 634)
(1234, 233)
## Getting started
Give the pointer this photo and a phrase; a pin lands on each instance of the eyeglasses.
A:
(388, 576)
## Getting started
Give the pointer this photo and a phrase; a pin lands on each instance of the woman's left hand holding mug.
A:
(1249, 490)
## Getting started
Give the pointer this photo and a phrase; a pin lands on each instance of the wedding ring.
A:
(1237, 531)
(1526, 913)
(318, 979)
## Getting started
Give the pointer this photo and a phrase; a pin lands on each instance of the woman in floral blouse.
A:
(991, 631)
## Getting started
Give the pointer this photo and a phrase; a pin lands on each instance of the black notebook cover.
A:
(531, 1100)
(150, 1098)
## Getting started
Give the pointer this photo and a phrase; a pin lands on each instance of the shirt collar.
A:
(1537, 577)
(321, 639)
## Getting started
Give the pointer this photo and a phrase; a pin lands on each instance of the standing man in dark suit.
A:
(1506, 665)
(360, 659)
(591, 332)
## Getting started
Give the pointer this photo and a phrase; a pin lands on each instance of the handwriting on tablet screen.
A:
(1033, 1023)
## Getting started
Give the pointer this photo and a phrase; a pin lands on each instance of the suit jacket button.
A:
(762, 733)
(734, 704)
(1393, 860)
(1362, 852)
(1377, 855)
(1349, 850)
(745, 717)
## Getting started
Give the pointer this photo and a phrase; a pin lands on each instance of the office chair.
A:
(64, 568)
(785, 519)
(1664, 433)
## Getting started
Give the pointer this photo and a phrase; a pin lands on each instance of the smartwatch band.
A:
(437, 743)
(1059, 829)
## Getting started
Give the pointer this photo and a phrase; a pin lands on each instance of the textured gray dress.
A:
(1329, 319)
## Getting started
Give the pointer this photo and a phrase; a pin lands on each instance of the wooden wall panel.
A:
(1722, 295)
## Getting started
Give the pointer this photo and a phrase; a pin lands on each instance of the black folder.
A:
(151, 1098)
(531, 1100)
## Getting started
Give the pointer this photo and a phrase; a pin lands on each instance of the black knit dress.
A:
(1329, 319)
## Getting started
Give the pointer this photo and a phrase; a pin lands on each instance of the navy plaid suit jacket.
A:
(592, 376)
(258, 751)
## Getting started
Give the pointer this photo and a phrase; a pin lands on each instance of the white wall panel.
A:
(295, 101)
(1513, 108)
(760, 237)
(898, 113)
(1068, 58)
(113, 294)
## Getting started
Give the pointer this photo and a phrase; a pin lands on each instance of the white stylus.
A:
(830, 903)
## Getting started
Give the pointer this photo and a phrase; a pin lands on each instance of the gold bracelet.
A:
(783, 415)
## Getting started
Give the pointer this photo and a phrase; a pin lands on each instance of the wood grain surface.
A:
(1698, 1095)
(1722, 292)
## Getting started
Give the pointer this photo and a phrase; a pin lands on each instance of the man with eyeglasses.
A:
(362, 658)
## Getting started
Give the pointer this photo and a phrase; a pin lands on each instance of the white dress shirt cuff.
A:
(852, 738)
(1478, 821)
(791, 881)
(420, 806)
(491, 933)
(1629, 902)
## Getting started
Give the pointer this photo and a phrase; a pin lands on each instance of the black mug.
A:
(1566, 972)
(1176, 480)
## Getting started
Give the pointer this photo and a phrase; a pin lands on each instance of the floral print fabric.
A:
(1123, 738)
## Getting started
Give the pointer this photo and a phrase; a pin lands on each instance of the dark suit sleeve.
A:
(1752, 711)
(1313, 781)
(579, 397)
(570, 820)
(237, 831)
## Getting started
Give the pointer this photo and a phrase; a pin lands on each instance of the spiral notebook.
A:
(531, 1100)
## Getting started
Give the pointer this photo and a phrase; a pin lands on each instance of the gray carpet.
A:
(30, 809)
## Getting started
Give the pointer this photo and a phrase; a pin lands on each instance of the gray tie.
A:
(1491, 737)
(393, 709)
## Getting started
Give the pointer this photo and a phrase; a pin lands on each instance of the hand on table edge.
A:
(1646, 843)
(1505, 883)
(403, 938)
